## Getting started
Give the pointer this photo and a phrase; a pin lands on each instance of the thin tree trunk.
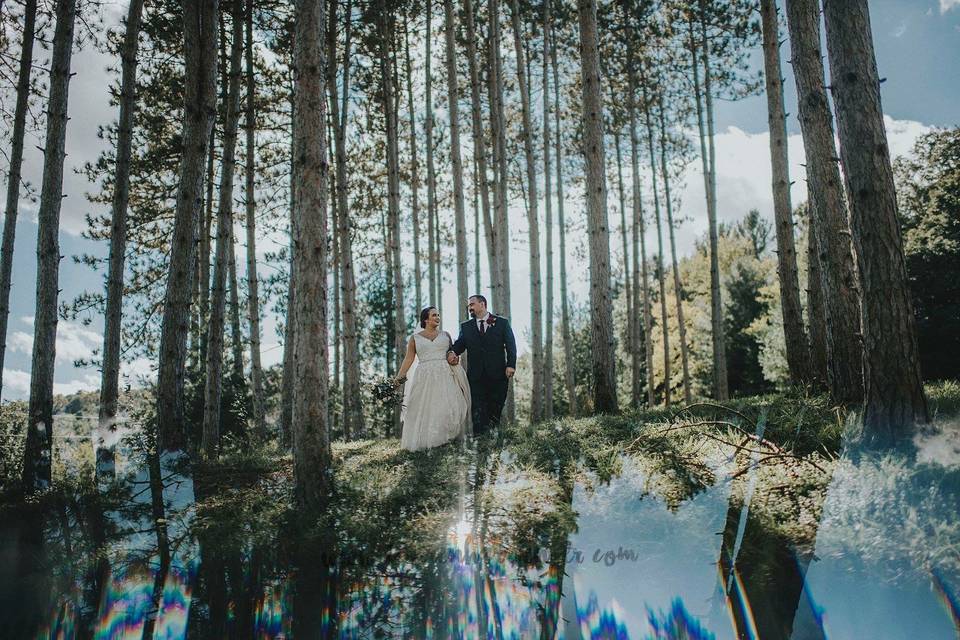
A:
(476, 227)
(661, 273)
(200, 54)
(393, 191)
(816, 314)
(601, 305)
(720, 387)
(893, 395)
(640, 281)
(622, 197)
(110, 376)
(533, 224)
(253, 284)
(14, 171)
(828, 219)
(433, 268)
(310, 419)
(236, 333)
(203, 254)
(286, 380)
(498, 134)
(480, 146)
(455, 160)
(38, 452)
(353, 422)
(213, 388)
(547, 202)
(414, 171)
(798, 356)
(566, 330)
(677, 288)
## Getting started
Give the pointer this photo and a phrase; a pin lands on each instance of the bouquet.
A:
(387, 391)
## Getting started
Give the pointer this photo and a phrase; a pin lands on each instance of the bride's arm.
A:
(407, 359)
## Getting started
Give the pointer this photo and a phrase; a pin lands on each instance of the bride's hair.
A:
(424, 315)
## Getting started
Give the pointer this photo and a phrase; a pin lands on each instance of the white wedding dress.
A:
(436, 407)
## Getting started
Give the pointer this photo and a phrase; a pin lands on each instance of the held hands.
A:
(452, 359)
(510, 371)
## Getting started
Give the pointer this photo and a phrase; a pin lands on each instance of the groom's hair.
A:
(479, 298)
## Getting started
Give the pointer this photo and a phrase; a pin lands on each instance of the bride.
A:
(437, 398)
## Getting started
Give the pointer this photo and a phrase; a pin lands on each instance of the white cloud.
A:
(74, 341)
(16, 383)
(946, 5)
(87, 382)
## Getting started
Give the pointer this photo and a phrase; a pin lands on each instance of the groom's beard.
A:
(472, 314)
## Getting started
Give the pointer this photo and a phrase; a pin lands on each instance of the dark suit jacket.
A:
(489, 353)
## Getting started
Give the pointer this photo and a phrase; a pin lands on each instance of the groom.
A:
(488, 340)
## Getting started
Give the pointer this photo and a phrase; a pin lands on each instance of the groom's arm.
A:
(460, 345)
(510, 344)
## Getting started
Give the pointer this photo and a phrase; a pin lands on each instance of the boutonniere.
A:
(491, 320)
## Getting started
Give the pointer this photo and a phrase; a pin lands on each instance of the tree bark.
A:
(829, 222)
(353, 421)
(14, 170)
(816, 315)
(38, 452)
(414, 172)
(393, 189)
(460, 221)
(310, 419)
(236, 333)
(677, 288)
(433, 269)
(501, 219)
(200, 89)
(533, 224)
(601, 316)
(893, 387)
(720, 387)
(213, 385)
(547, 203)
(798, 356)
(661, 272)
(253, 283)
(568, 373)
(622, 197)
(480, 147)
(640, 281)
(110, 372)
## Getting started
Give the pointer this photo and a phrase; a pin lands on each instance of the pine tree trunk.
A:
(414, 172)
(213, 387)
(816, 314)
(476, 227)
(310, 419)
(501, 218)
(621, 193)
(480, 146)
(640, 281)
(456, 161)
(200, 90)
(547, 203)
(798, 360)
(110, 376)
(432, 249)
(720, 387)
(14, 170)
(601, 305)
(287, 373)
(533, 224)
(236, 333)
(393, 191)
(566, 330)
(203, 255)
(829, 222)
(661, 272)
(353, 422)
(253, 283)
(38, 452)
(677, 288)
(893, 395)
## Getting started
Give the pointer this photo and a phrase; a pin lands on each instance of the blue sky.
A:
(917, 43)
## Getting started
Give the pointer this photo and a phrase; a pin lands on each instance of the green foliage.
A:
(928, 189)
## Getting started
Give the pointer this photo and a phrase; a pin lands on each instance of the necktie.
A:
(483, 327)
